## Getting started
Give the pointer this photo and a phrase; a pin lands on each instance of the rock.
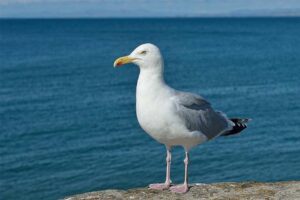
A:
(230, 191)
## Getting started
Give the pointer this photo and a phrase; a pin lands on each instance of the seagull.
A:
(172, 117)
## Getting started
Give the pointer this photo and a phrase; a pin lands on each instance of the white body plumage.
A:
(156, 112)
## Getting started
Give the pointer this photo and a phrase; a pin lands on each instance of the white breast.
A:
(155, 109)
(150, 113)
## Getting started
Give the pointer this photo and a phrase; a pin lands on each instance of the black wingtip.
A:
(239, 125)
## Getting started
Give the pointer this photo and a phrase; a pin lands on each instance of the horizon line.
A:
(156, 17)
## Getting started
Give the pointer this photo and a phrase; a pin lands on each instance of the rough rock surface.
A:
(229, 191)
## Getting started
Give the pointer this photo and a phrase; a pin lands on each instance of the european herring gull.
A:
(173, 117)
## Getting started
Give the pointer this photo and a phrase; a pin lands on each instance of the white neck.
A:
(150, 82)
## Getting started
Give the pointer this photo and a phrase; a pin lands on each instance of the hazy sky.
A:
(146, 8)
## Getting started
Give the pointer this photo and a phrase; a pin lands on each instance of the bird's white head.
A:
(146, 56)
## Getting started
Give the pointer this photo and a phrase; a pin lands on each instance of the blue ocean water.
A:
(67, 117)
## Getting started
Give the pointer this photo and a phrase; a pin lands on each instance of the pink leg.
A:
(184, 187)
(166, 185)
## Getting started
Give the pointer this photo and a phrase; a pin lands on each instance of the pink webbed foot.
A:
(159, 186)
(180, 188)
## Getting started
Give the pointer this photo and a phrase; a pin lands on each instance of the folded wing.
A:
(198, 115)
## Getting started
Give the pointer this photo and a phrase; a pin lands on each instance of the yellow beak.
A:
(123, 60)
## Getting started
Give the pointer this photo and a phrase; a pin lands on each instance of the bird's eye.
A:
(143, 52)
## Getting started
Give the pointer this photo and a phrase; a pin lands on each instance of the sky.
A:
(146, 8)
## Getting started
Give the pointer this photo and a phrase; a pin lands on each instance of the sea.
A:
(67, 117)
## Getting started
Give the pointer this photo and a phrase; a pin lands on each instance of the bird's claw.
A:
(180, 188)
(159, 186)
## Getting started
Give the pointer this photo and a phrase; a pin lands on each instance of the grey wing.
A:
(198, 115)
